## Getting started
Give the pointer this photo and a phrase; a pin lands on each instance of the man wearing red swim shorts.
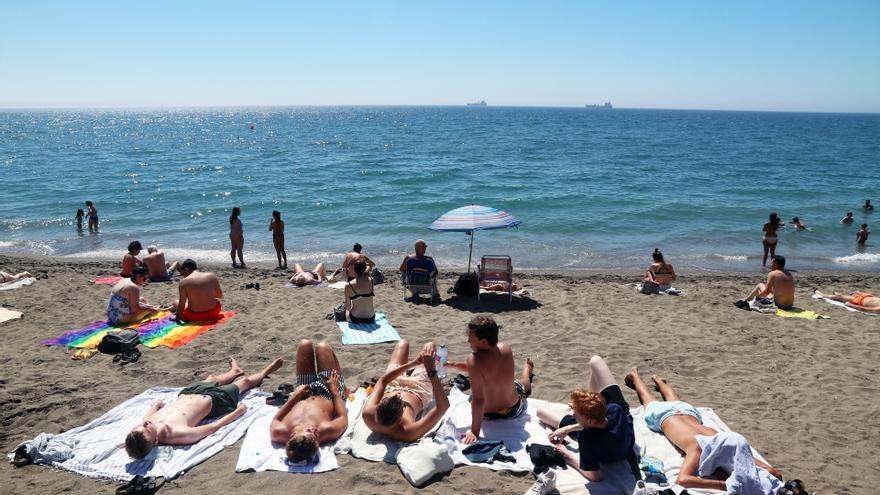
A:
(200, 294)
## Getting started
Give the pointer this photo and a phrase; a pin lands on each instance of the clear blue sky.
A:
(753, 55)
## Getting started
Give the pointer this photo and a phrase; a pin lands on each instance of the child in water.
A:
(79, 219)
(797, 223)
(276, 226)
(862, 235)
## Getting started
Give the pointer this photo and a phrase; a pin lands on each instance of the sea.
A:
(594, 188)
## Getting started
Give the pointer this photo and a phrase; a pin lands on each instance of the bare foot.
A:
(657, 381)
(274, 366)
(233, 366)
(530, 366)
(629, 379)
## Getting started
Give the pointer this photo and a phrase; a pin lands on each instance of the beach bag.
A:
(339, 312)
(467, 285)
(377, 276)
(650, 287)
(119, 342)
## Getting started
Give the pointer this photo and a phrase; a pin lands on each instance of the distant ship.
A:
(481, 103)
(606, 105)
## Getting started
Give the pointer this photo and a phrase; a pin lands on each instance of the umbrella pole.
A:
(471, 253)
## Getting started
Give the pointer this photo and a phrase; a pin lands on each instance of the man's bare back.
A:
(781, 285)
(201, 291)
(496, 370)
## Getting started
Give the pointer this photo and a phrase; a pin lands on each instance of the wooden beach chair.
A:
(496, 269)
(420, 277)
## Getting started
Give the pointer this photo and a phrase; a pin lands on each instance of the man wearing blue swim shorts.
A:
(681, 423)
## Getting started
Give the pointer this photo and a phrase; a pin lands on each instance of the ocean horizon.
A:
(594, 188)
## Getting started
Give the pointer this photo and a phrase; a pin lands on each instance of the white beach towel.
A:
(15, 284)
(8, 314)
(100, 451)
(671, 291)
(338, 285)
(258, 453)
(842, 305)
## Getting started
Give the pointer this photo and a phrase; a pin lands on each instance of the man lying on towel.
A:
(398, 406)
(494, 392)
(862, 301)
(200, 294)
(779, 287)
(600, 423)
(315, 412)
(178, 422)
(682, 424)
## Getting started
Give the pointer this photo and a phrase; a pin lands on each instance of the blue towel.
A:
(368, 333)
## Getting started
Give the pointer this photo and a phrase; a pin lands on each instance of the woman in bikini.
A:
(93, 216)
(276, 226)
(359, 296)
(236, 237)
(862, 301)
(770, 238)
(660, 271)
(301, 277)
(126, 304)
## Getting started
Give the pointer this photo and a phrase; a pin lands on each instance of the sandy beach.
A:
(805, 393)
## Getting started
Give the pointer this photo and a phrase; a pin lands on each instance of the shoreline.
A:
(804, 393)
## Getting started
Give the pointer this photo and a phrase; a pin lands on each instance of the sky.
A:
(778, 55)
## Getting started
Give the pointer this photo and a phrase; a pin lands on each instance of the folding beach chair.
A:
(420, 277)
(495, 269)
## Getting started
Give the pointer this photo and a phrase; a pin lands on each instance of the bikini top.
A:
(356, 295)
(658, 272)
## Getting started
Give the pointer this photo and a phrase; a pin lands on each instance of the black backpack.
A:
(467, 285)
(119, 342)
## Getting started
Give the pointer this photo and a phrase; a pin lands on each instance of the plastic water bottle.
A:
(442, 357)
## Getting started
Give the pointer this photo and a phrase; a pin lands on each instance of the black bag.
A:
(378, 278)
(119, 342)
(339, 312)
(467, 285)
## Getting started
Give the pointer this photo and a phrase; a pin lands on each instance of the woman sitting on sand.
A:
(302, 278)
(131, 261)
(660, 272)
(359, 296)
(8, 277)
(126, 304)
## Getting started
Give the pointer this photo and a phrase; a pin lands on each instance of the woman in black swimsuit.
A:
(359, 296)
(660, 271)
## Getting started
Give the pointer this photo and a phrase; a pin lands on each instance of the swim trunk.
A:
(657, 412)
(513, 411)
(859, 299)
(318, 386)
(612, 395)
(162, 278)
(224, 398)
(787, 307)
(213, 314)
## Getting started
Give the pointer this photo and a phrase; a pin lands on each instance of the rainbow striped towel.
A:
(159, 330)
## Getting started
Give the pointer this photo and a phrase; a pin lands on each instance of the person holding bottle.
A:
(398, 406)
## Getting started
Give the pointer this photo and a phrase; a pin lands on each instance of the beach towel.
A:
(8, 314)
(258, 453)
(842, 305)
(289, 285)
(338, 285)
(671, 291)
(368, 333)
(106, 280)
(161, 329)
(800, 313)
(15, 284)
(99, 451)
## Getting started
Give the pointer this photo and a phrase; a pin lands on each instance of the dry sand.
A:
(805, 393)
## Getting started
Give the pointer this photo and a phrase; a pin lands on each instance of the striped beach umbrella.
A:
(472, 218)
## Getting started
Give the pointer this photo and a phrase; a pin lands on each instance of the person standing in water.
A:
(276, 226)
(93, 216)
(770, 238)
(862, 235)
(79, 219)
(236, 237)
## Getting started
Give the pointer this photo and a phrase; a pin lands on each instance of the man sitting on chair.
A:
(419, 263)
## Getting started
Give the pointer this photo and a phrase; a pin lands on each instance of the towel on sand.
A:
(8, 314)
(785, 313)
(15, 284)
(368, 333)
(161, 329)
(258, 453)
(294, 286)
(99, 452)
(106, 280)
(842, 305)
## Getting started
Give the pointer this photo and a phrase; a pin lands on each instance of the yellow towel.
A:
(799, 313)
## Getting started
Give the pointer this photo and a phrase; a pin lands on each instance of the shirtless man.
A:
(397, 407)
(354, 255)
(130, 261)
(160, 271)
(779, 286)
(681, 423)
(868, 207)
(178, 422)
(302, 278)
(199, 294)
(315, 413)
(494, 392)
(868, 303)
(862, 235)
(847, 219)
